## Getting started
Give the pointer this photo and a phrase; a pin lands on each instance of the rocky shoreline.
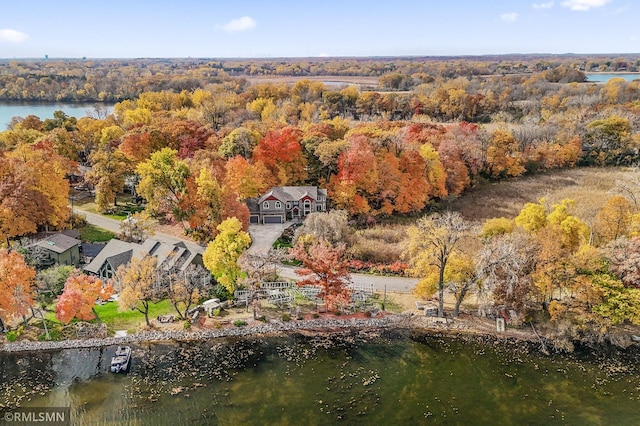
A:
(313, 325)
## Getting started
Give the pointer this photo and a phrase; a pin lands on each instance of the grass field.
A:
(127, 320)
(94, 234)
(130, 320)
(588, 187)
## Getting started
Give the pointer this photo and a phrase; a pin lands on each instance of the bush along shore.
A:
(401, 321)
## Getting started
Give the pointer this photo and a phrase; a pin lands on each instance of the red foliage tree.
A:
(79, 297)
(281, 154)
(323, 265)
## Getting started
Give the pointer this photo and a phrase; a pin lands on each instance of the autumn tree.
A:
(22, 205)
(281, 153)
(432, 242)
(323, 265)
(162, 183)
(613, 219)
(138, 285)
(53, 279)
(186, 288)
(505, 263)
(17, 294)
(136, 227)
(332, 226)
(504, 157)
(222, 254)
(80, 294)
(48, 172)
(110, 166)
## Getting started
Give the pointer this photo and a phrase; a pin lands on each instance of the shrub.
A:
(216, 312)
(12, 336)
(239, 323)
(286, 317)
(337, 313)
(187, 325)
(262, 318)
(316, 316)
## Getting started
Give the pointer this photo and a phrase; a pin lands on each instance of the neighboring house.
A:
(61, 249)
(116, 253)
(283, 203)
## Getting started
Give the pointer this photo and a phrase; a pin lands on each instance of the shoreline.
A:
(318, 326)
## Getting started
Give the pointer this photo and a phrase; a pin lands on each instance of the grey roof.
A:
(293, 193)
(92, 249)
(118, 252)
(113, 248)
(58, 243)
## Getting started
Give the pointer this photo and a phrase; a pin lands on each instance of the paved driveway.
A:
(263, 236)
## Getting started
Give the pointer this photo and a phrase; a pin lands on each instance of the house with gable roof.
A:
(169, 256)
(282, 203)
(61, 249)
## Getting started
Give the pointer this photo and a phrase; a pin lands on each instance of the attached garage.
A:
(254, 219)
(272, 219)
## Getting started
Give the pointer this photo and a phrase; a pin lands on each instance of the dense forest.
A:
(199, 137)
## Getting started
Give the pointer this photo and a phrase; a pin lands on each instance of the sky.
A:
(299, 28)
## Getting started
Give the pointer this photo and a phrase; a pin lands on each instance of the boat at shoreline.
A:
(121, 361)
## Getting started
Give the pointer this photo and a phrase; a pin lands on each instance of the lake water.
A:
(43, 110)
(604, 77)
(391, 378)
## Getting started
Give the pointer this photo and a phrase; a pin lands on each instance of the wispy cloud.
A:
(12, 36)
(620, 10)
(509, 17)
(583, 5)
(547, 5)
(240, 24)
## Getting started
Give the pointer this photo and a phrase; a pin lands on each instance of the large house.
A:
(177, 256)
(282, 203)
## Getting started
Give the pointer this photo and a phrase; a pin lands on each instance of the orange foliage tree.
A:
(281, 154)
(16, 286)
(79, 297)
(323, 265)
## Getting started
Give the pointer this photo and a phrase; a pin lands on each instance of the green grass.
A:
(94, 234)
(127, 320)
(130, 320)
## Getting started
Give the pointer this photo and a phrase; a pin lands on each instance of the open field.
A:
(588, 187)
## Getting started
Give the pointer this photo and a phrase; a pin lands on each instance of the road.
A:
(114, 226)
(263, 237)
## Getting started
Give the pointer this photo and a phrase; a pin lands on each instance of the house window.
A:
(288, 205)
(278, 205)
(265, 205)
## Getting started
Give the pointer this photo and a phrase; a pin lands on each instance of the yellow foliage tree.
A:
(222, 254)
(138, 286)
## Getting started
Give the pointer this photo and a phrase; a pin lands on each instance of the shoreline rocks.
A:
(318, 325)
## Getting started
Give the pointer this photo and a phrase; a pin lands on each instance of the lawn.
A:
(94, 234)
(127, 320)
(130, 320)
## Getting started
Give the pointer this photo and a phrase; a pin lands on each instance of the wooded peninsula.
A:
(399, 144)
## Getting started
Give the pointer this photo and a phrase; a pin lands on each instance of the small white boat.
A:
(121, 361)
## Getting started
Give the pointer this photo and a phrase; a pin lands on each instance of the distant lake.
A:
(604, 77)
(8, 110)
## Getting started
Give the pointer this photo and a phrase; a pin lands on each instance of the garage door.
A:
(272, 219)
(254, 219)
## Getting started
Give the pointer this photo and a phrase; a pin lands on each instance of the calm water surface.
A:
(604, 77)
(43, 110)
(389, 379)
